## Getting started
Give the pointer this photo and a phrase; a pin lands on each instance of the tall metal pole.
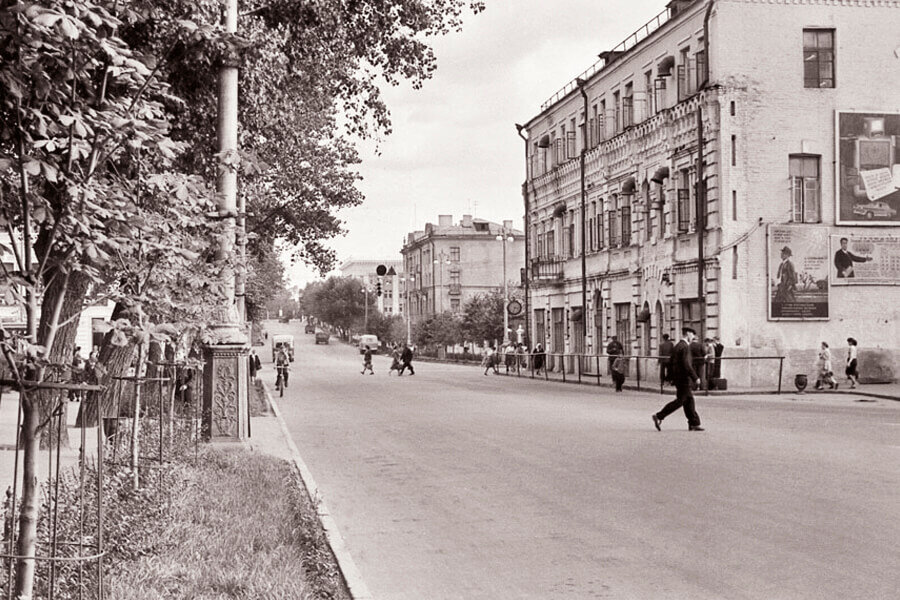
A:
(505, 295)
(408, 313)
(584, 146)
(701, 223)
(227, 137)
(519, 130)
(366, 303)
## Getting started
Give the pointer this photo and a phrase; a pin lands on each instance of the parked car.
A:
(322, 337)
(282, 340)
(874, 209)
(371, 341)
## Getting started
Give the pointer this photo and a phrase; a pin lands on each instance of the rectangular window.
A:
(540, 328)
(594, 131)
(659, 93)
(617, 114)
(454, 305)
(550, 243)
(558, 342)
(690, 315)
(818, 58)
(734, 151)
(648, 93)
(684, 210)
(623, 324)
(571, 148)
(613, 224)
(454, 253)
(601, 122)
(734, 262)
(682, 74)
(805, 185)
(628, 106)
(733, 205)
(625, 212)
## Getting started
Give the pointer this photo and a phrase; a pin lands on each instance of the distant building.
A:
(726, 148)
(391, 301)
(448, 264)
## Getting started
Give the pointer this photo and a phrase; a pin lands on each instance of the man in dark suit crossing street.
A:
(684, 377)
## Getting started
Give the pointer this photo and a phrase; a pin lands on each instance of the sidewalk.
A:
(69, 456)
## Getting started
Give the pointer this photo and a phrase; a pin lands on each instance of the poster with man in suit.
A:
(865, 259)
(798, 273)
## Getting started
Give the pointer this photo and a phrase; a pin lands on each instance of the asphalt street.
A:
(450, 484)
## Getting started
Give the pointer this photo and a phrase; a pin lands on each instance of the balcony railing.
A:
(546, 269)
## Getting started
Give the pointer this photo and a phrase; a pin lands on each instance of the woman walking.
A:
(852, 370)
(825, 375)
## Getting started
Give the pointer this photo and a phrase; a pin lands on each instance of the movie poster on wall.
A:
(865, 259)
(798, 264)
(868, 168)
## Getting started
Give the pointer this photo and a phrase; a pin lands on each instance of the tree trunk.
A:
(30, 491)
(75, 288)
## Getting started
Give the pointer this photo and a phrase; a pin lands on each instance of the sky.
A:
(454, 148)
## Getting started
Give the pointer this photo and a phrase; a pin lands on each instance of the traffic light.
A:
(378, 289)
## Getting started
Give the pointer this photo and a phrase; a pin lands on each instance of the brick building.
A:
(451, 263)
(713, 154)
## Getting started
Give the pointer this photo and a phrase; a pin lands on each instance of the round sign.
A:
(514, 307)
(380, 270)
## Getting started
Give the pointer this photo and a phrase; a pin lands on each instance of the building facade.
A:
(450, 263)
(392, 300)
(723, 165)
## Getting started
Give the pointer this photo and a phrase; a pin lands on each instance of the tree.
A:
(483, 317)
(439, 330)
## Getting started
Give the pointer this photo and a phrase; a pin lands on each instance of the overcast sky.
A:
(454, 148)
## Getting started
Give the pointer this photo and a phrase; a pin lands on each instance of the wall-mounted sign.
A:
(868, 168)
(798, 264)
(865, 259)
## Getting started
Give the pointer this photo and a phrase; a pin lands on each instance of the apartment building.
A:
(450, 263)
(392, 300)
(728, 171)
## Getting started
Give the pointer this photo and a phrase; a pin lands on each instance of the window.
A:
(454, 278)
(734, 262)
(454, 305)
(648, 215)
(683, 73)
(734, 205)
(454, 253)
(540, 329)
(617, 114)
(659, 92)
(734, 151)
(623, 325)
(648, 93)
(684, 204)
(570, 235)
(571, 142)
(661, 212)
(612, 223)
(601, 122)
(690, 315)
(628, 106)
(625, 213)
(558, 340)
(804, 173)
(818, 58)
(594, 130)
(550, 243)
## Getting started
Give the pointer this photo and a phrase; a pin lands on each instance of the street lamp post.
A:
(365, 291)
(440, 260)
(505, 237)
(407, 283)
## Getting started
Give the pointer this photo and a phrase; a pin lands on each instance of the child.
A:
(367, 362)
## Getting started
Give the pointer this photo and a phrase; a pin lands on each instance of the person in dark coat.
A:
(844, 259)
(406, 357)
(698, 358)
(616, 351)
(684, 377)
(665, 358)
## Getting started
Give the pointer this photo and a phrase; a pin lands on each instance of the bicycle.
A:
(281, 379)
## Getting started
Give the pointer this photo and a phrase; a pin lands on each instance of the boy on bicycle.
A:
(282, 366)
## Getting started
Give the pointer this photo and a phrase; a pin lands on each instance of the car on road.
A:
(322, 337)
(874, 209)
(310, 328)
(283, 340)
(369, 340)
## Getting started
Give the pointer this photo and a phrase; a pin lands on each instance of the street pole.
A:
(584, 147)
(366, 304)
(408, 314)
(520, 129)
(505, 297)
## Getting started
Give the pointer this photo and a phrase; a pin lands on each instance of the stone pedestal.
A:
(226, 414)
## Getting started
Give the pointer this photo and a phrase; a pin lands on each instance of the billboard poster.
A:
(865, 259)
(798, 264)
(868, 168)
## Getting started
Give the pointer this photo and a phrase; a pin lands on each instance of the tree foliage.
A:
(483, 317)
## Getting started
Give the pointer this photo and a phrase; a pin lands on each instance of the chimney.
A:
(445, 220)
(507, 226)
(467, 221)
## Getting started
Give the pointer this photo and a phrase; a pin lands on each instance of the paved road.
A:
(452, 485)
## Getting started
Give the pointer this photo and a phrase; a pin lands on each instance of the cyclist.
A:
(282, 365)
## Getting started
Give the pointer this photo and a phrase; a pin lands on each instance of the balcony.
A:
(455, 289)
(548, 270)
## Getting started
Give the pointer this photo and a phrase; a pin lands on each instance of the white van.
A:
(371, 341)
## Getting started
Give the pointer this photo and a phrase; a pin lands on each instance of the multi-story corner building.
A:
(449, 264)
(708, 169)
(392, 300)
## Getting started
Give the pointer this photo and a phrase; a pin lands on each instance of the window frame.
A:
(817, 51)
(803, 184)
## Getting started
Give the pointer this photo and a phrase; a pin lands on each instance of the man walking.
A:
(665, 357)
(367, 361)
(683, 376)
(406, 360)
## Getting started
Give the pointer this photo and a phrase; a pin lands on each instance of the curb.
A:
(350, 573)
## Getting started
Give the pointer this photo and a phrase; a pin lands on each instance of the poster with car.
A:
(868, 168)
(798, 265)
(865, 259)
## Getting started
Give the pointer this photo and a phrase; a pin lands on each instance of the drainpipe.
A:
(706, 17)
(519, 130)
(701, 222)
(584, 330)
